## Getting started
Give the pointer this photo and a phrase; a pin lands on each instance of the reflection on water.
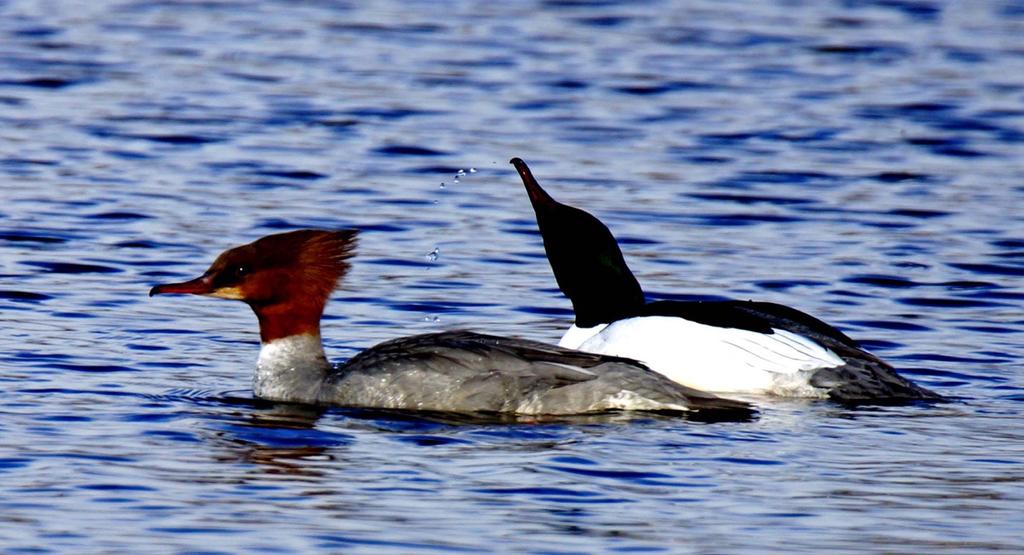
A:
(856, 160)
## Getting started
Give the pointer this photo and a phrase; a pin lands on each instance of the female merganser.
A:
(722, 346)
(287, 279)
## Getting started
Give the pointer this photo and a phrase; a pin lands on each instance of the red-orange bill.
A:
(202, 285)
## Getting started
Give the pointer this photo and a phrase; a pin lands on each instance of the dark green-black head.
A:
(584, 256)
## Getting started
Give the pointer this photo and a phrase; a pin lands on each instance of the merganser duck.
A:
(287, 278)
(728, 347)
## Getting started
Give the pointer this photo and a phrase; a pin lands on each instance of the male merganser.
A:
(287, 279)
(721, 346)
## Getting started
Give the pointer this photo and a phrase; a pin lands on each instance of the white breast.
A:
(290, 369)
(712, 358)
(574, 336)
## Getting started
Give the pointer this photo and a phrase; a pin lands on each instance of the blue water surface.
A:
(860, 160)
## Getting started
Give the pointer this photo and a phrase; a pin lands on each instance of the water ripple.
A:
(857, 160)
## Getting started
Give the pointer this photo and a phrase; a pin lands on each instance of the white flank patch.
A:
(572, 368)
(622, 400)
(717, 359)
(629, 400)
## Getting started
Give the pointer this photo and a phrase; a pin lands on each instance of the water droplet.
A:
(472, 170)
(442, 185)
(432, 255)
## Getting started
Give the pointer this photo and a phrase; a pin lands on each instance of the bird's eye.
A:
(241, 271)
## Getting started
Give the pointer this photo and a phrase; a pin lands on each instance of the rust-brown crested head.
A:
(286, 278)
(279, 268)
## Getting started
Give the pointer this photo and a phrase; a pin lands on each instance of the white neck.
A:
(291, 369)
